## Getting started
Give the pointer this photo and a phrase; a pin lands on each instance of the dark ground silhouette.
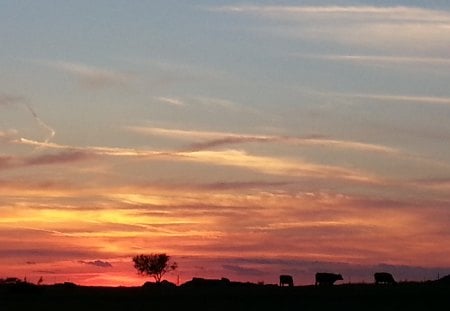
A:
(201, 294)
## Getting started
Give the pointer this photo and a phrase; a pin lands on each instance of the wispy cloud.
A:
(66, 156)
(397, 13)
(312, 141)
(236, 158)
(375, 26)
(171, 101)
(379, 59)
(202, 103)
(58, 158)
(434, 183)
(91, 76)
(384, 97)
(213, 139)
(95, 150)
(223, 186)
(278, 166)
(43, 252)
(399, 98)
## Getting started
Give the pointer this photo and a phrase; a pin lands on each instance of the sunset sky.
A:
(245, 139)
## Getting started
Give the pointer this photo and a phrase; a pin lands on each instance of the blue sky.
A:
(269, 123)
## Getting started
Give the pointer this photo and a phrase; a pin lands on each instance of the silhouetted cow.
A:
(286, 280)
(384, 278)
(324, 278)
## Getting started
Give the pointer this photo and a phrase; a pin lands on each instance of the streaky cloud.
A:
(58, 158)
(433, 183)
(218, 139)
(64, 157)
(91, 76)
(40, 253)
(399, 98)
(242, 185)
(278, 166)
(229, 157)
(108, 151)
(171, 101)
(312, 141)
(202, 187)
(387, 27)
(378, 59)
(395, 13)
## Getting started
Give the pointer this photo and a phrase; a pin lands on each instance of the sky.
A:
(245, 139)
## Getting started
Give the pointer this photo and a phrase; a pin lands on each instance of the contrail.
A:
(6, 99)
(41, 123)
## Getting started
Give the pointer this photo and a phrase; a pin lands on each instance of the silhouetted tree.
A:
(155, 265)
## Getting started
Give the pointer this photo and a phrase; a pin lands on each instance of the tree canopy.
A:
(155, 265)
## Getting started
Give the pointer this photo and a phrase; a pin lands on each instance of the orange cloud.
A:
(200, 222)
(235, 158)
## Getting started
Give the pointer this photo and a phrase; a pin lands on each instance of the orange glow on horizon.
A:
(223, 222)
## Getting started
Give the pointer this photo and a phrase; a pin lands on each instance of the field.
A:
(234, 296)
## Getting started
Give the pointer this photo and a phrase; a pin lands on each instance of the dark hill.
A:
(204, 294)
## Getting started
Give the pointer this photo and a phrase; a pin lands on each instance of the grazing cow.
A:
(324, 278)
(384, 278)
(286, 280)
